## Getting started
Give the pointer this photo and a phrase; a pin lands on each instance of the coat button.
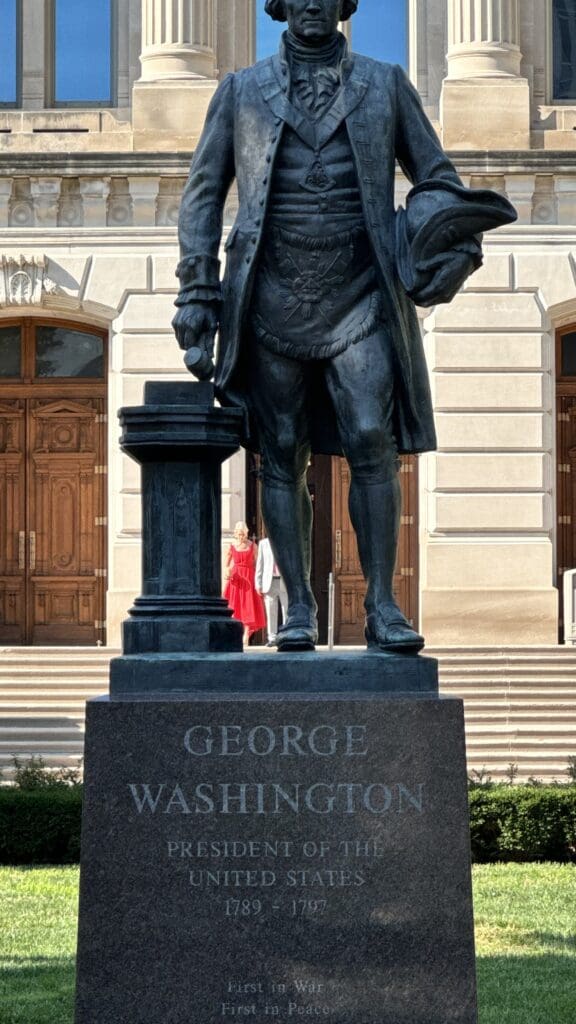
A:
(247, 259)
(254, 240)
(268, 159)
(264, 181)
(258, 222)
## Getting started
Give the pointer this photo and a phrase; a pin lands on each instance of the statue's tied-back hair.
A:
(277, 9)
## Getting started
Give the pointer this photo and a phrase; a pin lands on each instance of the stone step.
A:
(520, 704)
(475, 710)
(55, 671)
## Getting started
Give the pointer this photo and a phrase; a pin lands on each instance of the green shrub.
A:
(40, 821)
(523, 823)
(34, 773)
(40, 826)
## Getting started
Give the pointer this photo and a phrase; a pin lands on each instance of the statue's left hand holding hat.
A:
(442, 224)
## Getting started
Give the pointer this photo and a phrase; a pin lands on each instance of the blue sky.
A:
(83, 47)
(378, 30)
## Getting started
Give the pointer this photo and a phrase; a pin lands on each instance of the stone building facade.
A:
(89, 195)
(498, 519)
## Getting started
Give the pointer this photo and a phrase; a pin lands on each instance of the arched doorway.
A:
(52, 482)
(334, 547)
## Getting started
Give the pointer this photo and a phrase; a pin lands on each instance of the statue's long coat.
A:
(243, 131)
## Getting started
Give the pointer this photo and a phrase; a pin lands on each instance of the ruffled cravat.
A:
(315, 71)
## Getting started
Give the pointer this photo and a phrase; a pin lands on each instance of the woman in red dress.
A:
(240, 591)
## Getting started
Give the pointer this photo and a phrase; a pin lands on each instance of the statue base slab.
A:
(276, 855)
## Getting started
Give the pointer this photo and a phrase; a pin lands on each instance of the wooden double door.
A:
(52, 485)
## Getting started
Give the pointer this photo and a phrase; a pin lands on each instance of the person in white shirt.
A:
(270, 585)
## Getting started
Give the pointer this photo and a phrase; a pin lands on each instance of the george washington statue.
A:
(318, 334)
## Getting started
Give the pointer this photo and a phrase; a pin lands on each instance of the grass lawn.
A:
(525, 926)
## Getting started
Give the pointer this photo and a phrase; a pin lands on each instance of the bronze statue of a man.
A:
(319, 340)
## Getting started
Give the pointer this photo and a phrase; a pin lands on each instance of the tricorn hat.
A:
(439, 215)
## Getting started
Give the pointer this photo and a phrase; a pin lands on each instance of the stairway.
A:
(43, 692)
(520, 704)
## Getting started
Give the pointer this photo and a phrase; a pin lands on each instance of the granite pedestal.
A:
(274, 854)
(265, 836)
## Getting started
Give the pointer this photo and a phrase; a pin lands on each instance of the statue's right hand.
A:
(195, 327)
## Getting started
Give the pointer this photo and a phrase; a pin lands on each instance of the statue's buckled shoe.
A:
(388, 630)
(299, 632)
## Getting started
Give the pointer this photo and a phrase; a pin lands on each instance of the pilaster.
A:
(520, 190)
(144, 195)
(34, 55)
(5, 197)
(46, 198)
(94, 192)
(565, 189)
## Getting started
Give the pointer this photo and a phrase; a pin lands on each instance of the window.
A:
(564, 49)
(82, 34)
(568, 354)
(10, 351)
(37, 351)
(379, 30)
(9, 52)
(62, 352)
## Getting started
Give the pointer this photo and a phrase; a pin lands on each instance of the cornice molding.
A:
(95, 164)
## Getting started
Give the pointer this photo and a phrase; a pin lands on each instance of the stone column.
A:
(178, 61)
(177, 39)
(483, 38)
(485, 101)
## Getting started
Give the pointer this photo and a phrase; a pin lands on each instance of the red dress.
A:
(240, 591)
